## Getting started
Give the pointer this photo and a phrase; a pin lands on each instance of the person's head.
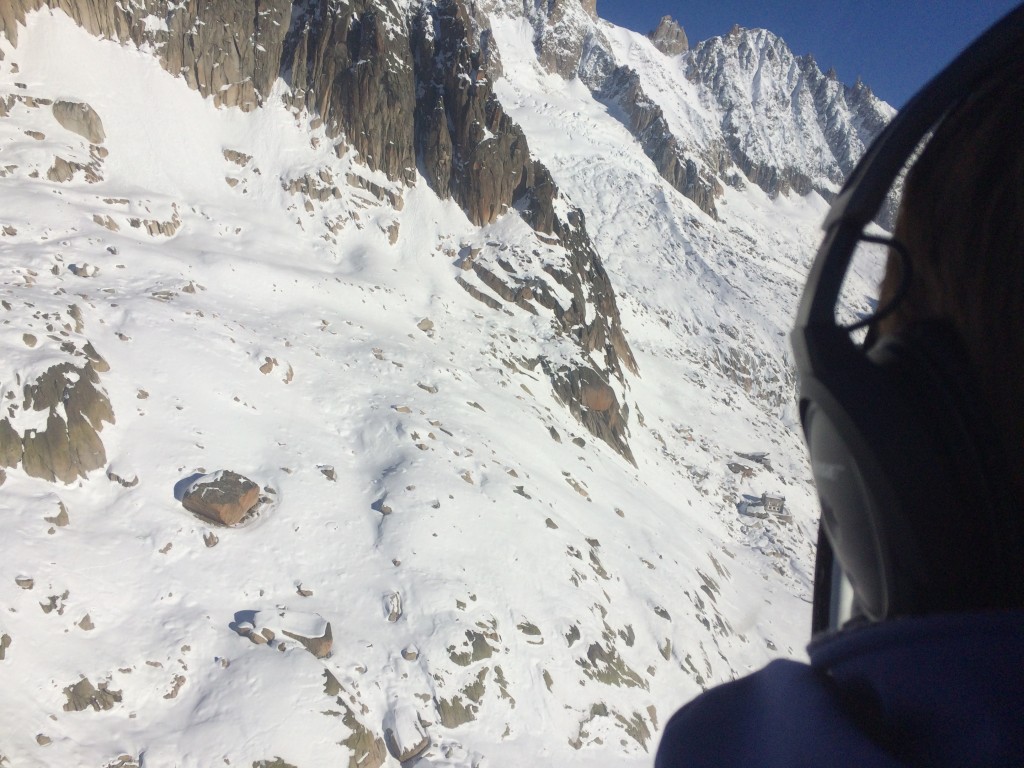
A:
(961, 221)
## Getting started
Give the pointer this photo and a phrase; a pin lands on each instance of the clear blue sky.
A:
(895, 46)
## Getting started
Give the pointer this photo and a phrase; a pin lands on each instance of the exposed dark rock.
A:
(479, 295)
(559, 36)
(519, 295)
(351, 64)
(407, 740)
(225, 50)
(10, 445)
(478, 648)
(435, 141)
(469, 148)
(129, 481)
(772, 179)
(604, 664)
(61, 519)
(61, 170)
(589, 281)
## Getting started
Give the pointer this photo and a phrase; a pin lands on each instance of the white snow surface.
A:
(554, 557)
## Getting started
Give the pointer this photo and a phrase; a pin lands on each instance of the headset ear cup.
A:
(907, 466)
(957, 516)
(858, 498)
(892, 452)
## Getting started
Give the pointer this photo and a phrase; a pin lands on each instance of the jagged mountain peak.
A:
(787, 124)
(669, 37)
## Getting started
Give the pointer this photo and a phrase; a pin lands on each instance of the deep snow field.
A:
(565, 600)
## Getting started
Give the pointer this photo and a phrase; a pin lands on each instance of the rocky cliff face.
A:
(571, 44)
(406, 89)
(470, 149)
(669, 38)
(356, 65)
(672, 156)
(352, 65)
(368, 67)
(230, 51)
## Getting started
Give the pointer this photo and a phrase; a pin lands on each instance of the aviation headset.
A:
(914, 515)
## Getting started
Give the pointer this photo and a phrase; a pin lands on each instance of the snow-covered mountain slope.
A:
(733, 109)
(501, 585)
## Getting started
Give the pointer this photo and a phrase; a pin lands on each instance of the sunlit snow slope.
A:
(497, 582)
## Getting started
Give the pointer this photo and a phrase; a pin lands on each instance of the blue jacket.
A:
(923, 691)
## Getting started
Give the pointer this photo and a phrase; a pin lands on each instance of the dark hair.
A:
(961, 220)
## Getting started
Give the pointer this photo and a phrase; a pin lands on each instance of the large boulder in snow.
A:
(223, 497)
(80, 118)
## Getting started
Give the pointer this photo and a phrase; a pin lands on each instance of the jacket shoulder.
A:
(787, 714)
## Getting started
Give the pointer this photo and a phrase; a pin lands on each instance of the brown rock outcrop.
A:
(318, 646)
(560, 43)
(69, 446)
(574, 387)
(404, 735)
(367, 749)
(597, 396)
(223, 497)
(83, 695)
(386, 91)
(61, 170)
(230, 51)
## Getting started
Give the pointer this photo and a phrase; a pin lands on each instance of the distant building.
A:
(773, 504)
